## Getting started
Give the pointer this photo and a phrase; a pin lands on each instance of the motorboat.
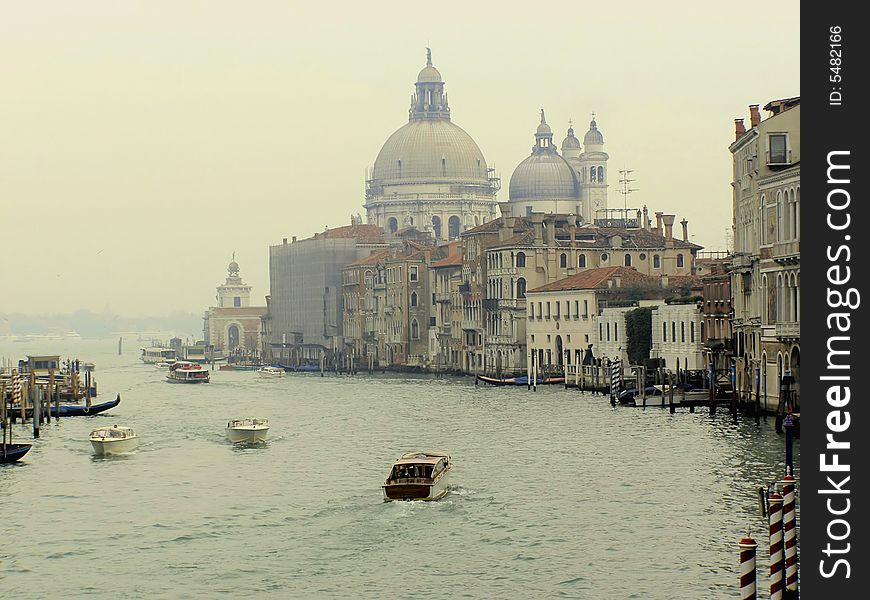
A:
(164, 364)
(248, 430)
(418, 476)
(113, 440)
(270, 372)
(183, 371)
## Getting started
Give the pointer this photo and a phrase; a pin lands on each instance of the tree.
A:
(638, 324)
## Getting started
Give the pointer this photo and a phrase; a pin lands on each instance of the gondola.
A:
(80, 410)
(495, 381)
(524, 380)
(9, 453)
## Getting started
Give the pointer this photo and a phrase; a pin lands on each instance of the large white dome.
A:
(430, 150)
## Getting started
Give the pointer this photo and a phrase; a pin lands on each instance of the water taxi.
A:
(418, 476)
(270, 372)
(248, 430)
(113, 440)
(156, 355)
(187, 372)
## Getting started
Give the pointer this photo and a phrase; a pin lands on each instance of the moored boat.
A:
(523, 380)
(248, 430)
(9, 453)
(418, 476)
(113, 440)
(187, 372)
(270, 372)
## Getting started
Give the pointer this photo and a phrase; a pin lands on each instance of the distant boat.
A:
(187, 372)
(301, 368)
(270, 372)
(156, 355)
(113, 440)
(9, 453)
(418, 476)
(248, 430)
(524, 380)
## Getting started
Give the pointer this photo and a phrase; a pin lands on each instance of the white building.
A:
(678, 337)
(233, 324)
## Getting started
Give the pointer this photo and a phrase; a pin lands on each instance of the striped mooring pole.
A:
(747, 568)
(776, 564)
(789, 534)
(615, 372)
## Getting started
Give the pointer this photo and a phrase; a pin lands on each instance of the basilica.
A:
(430, 175)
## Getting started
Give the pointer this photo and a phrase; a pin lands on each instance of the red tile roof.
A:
(454, 260)
(372, 259)
(353, 231)
(593, 279)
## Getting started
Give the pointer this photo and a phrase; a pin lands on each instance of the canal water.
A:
(554, 494)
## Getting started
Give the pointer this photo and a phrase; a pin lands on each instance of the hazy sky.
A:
(143, 142)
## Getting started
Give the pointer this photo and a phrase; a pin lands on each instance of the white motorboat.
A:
(182, 371)
(248, 430)
(113, 440)
(271, 372)
(418, 476)
(164, 365)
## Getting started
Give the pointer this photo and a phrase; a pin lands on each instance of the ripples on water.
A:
(553, 494)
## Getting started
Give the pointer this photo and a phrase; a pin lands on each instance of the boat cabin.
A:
(154, 355)
(412, 467)
(40, 365)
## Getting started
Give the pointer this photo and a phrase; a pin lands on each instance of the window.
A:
(581, 261)
(683, 331)
(601, 174)
(657, 262)
(521, 288)
(601, 331)
(664, 332)
(585, 309)
(778, 149)
(591, 173)
(548, 310)
(393, 224)
(413, 299)
(673, 331)
(540, 311)
(692, 331)
(604, 257)
(628, 260)
(577, 309)
(558, 309)
(531, 310)
(413, 273)
(608, 331)
(642, 256)
(415, 330)
(453, 227)
(521, 259)
(679, 261)
(237, 302)
(616, 332)
(563, 260)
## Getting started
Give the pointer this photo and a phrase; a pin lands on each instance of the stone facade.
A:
(234, 325)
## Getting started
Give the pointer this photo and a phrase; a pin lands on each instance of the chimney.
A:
(659, 222)
(739, 129)
(639, 222)
(669, 226)
(285, 241)
(685, 225)
(646, 221)
(551, 231)
(294, 239)
(754, 115)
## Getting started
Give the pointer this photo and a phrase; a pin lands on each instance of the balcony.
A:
(470, 325)
(490, 304)
(444, 331)
(787, 252)
(442, 296)
(788, 331)
(742, 263)
(464, 288)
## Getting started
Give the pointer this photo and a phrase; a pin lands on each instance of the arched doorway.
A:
(233, 337)
(453, 224)
(559, 352)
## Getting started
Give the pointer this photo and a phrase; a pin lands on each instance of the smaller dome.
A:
(593, 136)
(233, 267)
(570, 142)
(429, 74)
(543, 128)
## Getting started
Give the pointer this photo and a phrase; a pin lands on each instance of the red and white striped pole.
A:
(776, 564)
(789, 532)
(747, 568)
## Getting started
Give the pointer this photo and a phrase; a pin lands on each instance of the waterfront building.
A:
(430, 174)
(677, 336)
(765, 271)
(512, 254)
(233, 325)
(445, 331)
(305, 284)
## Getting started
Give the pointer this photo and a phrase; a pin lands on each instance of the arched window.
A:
(521, 259)
(581, 261)
(628, 260)
(604, 257)
(521, 288)
(657, 262)
(591, 173)
(453, 227)
(392, 224)
(679, 261)
(436, 226)
(413, 299)
(779, 232)
(601, 174)
(563, 260)
(415, 330)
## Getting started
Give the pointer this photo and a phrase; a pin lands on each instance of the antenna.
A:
(626, 182)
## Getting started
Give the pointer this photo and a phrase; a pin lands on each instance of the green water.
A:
(554, 493)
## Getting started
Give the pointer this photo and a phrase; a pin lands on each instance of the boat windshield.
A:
(411, 472)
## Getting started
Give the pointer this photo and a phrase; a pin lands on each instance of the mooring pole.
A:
(747, 568)
(776, 563)
(789, 535)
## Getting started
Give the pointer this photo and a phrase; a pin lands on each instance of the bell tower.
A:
(234, 293)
